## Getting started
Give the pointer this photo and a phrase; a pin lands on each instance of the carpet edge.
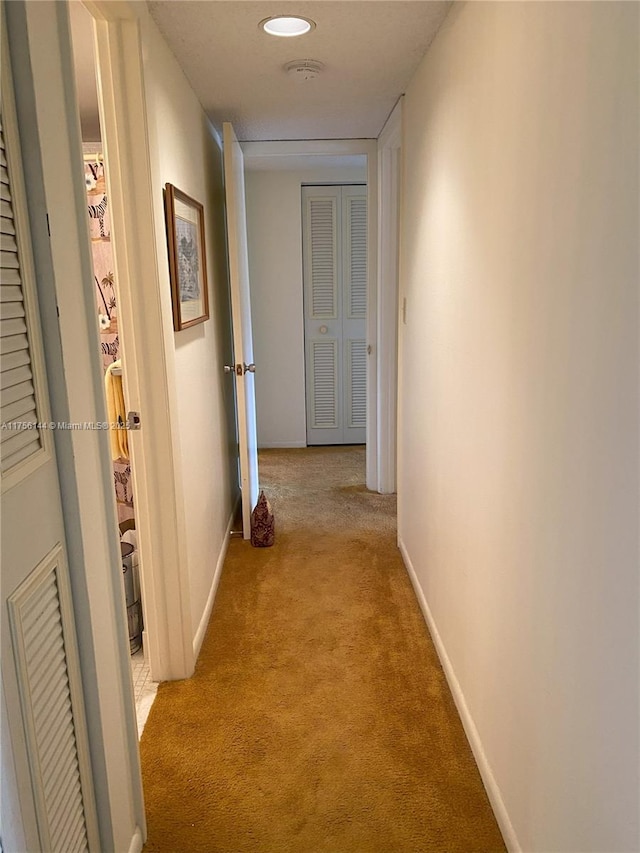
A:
(488, 779)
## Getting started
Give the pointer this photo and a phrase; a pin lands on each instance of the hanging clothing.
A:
(116, 411)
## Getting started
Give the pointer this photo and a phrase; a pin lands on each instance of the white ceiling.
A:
(370, 49)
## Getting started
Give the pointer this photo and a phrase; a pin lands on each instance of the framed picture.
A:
(187, 258)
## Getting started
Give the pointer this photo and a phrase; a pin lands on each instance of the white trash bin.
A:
(132, 597)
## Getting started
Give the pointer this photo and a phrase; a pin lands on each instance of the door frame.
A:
(389, 183)
(383, 209)
(146, 336)
(342, 147)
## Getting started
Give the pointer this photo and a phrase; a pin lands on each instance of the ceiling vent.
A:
(304, 69)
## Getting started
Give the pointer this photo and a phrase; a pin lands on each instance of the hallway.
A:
(318, 718)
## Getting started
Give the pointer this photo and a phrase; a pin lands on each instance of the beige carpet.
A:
(318, 718)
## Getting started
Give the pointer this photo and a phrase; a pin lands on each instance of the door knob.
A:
(229, 368)
(251, 368)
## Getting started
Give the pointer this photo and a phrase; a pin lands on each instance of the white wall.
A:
(274, 223)
(187, 154)
(518, 476)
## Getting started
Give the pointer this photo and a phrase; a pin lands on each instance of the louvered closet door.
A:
(46, 775)
(354, 313)
(335, 298)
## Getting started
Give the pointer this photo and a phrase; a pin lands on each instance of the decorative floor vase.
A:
(263, 529)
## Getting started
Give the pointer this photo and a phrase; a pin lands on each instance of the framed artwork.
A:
(187, 258)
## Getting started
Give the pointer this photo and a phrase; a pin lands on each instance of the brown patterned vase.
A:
(263, 528)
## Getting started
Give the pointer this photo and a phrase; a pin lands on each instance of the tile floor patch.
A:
(144, 688)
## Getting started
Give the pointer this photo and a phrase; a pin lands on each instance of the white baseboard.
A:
(145, 646)
(137, 841)
(281, 445)
(490, 784)
(202, 627)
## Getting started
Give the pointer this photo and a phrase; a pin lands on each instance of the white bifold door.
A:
(335, 311)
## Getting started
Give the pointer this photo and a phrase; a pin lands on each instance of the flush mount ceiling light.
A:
(287, 26)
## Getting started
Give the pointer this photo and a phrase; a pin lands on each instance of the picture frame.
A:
(187, 258)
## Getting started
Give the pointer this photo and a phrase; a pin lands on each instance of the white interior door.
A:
(241, 315)
(335, 299)
(47, 790)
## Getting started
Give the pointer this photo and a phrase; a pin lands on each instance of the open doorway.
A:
(290, 385)
(276, 235)
(108, 311)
